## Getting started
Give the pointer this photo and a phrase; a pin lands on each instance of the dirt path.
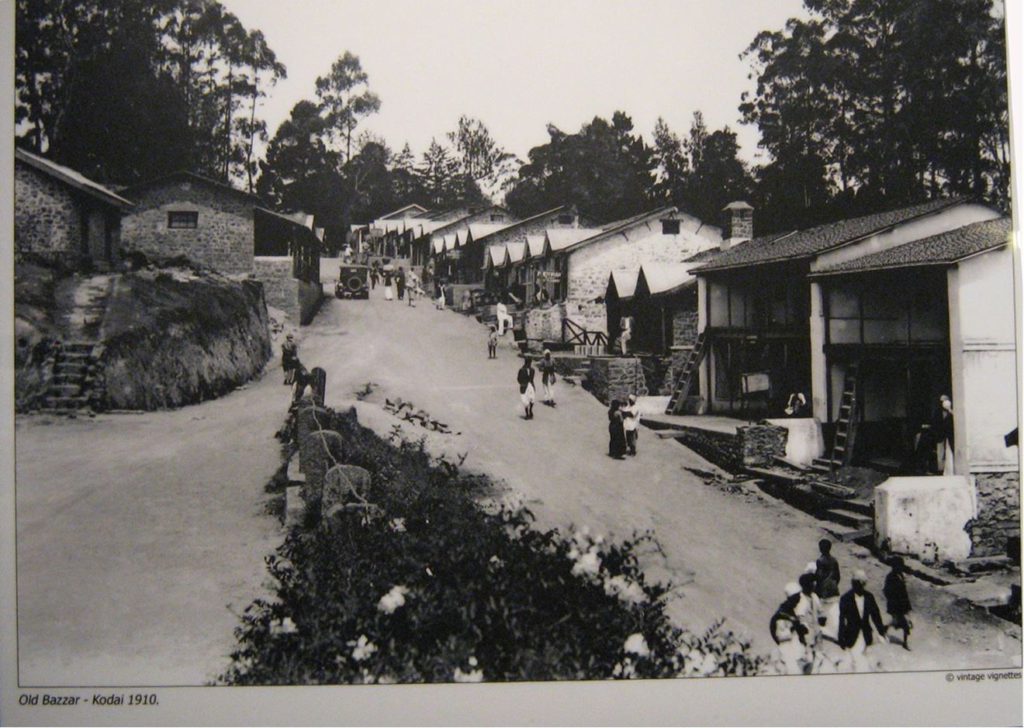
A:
(139, 534)
(731, 554)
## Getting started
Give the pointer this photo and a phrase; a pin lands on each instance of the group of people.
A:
(525, 378)
(814, 614)
(397, 283)
(623, 427)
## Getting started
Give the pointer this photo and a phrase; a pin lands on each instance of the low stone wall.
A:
(616, 378)
(925, 517)
(998, 519)
(299, 299)
(759, 445)
(545, 323)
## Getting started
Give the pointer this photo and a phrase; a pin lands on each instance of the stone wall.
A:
(47, 219)
(299, 299)
(684, 324)
(998, 498)
(616, 378)
(224, 238)
(545, 324)
(591, 265)
(749, 446)
(759, 445)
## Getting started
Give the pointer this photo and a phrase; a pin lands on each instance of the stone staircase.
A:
(76, 384)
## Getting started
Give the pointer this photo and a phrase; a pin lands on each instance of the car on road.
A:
(353, 282)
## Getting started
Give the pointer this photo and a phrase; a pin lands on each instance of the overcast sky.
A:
(520, 64)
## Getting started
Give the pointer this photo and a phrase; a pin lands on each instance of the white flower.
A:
(286, 626)
(393, 599)
(473, 661)
(589, 564)
(637, 645)
(473, 676)
(362, 648)
(397, 525)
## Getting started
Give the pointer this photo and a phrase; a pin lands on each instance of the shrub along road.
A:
(731, 553)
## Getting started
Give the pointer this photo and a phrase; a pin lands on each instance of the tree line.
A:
(860, 106)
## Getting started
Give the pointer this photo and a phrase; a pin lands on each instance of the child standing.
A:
(492, 343)
(897, 601)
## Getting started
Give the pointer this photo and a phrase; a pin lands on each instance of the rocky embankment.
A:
(151, 339)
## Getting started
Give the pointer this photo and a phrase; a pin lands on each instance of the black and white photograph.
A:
(578, 345)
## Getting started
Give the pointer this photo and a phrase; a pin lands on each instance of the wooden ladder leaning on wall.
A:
(685, 379)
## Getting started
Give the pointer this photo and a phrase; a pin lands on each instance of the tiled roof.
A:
(618, 226)
(71, 177)
(517, 223)
(942, 249)
(815, 240)
(482, 229)
(400, 210)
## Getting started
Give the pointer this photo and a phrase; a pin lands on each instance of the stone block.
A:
(998, 519)
(925, 517)
(340, 482)
(294, 473)
(804, 441)
(294, 506)
(319, 450)
(759, 445)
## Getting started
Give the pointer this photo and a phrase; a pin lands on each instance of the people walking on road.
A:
(631, 423)
(412, 285)
(504, 320)
(547, 377)
(389, 292)
(289, 358)
(492, 342)
(809, 611)
(439, 296)
(857, 611)
(400, 283)
(897, 601)
(616, 432)
(374, 274)
(789, 633)
(826, 586)
(527, 392)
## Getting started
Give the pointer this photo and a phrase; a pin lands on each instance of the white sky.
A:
(519, 64)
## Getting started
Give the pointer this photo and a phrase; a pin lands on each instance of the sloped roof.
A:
(614, 228)
(658, 279)
(624, 282)
(70, 177)
(942, 249)
(517, 223)
(438, 245)
(812, 241)
(535, 245)
(515, 251)
(495, 256)
(400, 210)
(479, 230)
(191, 177)
(451, 241)
(561, 238)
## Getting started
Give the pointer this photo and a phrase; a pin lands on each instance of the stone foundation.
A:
(616, 378)
(925, 517)
(998, 519)
(545, 323)
(299, 299)
(759, 445)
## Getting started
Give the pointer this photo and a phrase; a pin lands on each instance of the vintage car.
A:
(353, 282)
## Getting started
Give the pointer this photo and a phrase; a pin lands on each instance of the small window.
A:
(182, 220)
(669, 227)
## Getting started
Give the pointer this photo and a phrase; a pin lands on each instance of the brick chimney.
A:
(737, 223)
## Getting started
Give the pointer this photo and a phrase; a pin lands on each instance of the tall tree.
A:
(345, 98)
(604, 169)
(482, 161)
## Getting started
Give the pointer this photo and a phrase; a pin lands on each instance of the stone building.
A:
(185, 214)
(876, 317)
(575, 267)
(64, 217)
(287, 262)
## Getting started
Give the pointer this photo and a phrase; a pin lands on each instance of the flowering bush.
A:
(439, 589)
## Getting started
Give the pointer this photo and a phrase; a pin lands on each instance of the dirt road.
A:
(139, 534)
(730, 554)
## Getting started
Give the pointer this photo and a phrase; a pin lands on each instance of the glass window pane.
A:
(844, 331)
(885, 331)
(843, 303)
(719, 304)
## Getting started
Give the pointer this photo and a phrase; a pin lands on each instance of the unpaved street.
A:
(141, 536)
(731, 555)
